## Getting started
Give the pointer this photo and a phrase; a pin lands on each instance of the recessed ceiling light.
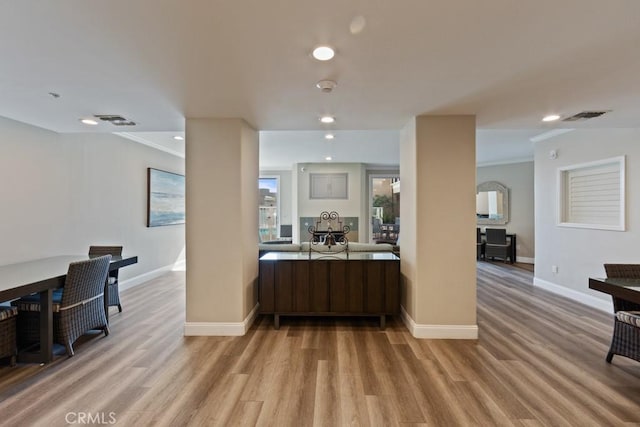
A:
(329, 136)
(89, 122)
(327, 119)
(178, 138)
(323, 53)
(550, 118)
(328, 158)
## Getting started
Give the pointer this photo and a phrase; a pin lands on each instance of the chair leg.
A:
(69, 348)
(119, 308)
(106, 330)
(12, 361)
(609, 357)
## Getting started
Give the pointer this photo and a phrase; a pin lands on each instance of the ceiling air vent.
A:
(585, 115)
(115, 119)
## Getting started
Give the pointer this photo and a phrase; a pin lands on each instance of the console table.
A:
(353, 284)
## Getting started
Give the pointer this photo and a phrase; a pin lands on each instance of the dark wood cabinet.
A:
(360, 284)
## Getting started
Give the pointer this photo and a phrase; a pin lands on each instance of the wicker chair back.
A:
(85, 280)
(622, 271)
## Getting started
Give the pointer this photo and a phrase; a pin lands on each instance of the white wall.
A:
(580, 253)
(61, 193)
(351, 207)
(409, 218)
(518, 178)
(437, 175)
(222, 238)
(294, 193)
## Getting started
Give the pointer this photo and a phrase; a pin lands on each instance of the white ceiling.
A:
(158, 61)
(281, 149)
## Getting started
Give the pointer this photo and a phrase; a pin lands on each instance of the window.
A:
(385, 208)
(268, 206)
(592, 195)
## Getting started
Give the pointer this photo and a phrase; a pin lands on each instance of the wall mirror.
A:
(492, 203)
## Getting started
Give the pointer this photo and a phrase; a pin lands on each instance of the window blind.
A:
(594, 195)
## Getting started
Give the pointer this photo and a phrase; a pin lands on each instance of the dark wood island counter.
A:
(353, 284)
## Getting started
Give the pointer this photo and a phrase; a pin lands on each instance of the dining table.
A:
(42, 276)
(623, 289)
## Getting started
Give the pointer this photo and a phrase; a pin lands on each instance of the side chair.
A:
(626, 329)
(8, 348)
(497, 244)
(114, 292)
(480, 245)
(77, 308)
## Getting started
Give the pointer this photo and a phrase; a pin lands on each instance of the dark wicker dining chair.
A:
(114, 292)
(78, 308)
(480, 245)
(8, 348)
(497, 245)
(626, 329)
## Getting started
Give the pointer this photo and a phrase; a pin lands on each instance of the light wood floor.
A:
(539, 361)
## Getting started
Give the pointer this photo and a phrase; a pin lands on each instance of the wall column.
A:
(438, 261)
(221, 226)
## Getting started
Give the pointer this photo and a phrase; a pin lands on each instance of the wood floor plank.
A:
(263, 380)
(245, 414)
(539, 361)
(353, 401)
(278, 383)
(224, 397)
(327, 396)
(381, 412)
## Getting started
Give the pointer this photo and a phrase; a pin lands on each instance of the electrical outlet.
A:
(554, 269)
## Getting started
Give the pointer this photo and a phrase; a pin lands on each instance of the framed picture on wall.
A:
(328, 186)
(165, 198)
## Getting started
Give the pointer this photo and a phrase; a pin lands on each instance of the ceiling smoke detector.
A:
(585, 115)
(326, 85)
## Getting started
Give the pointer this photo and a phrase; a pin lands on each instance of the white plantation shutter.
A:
(593, 195)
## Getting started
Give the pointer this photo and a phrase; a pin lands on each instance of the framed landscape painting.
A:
(165, 198)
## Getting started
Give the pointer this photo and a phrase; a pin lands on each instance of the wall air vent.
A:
(585, 115)
(115, 119)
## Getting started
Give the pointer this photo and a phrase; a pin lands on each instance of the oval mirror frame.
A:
(495, 186)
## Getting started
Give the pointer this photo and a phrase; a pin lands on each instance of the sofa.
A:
(264, 248)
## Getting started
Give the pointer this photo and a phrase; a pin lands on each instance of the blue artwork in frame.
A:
(165, 198)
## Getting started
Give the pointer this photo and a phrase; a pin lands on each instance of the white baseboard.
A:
(179, 265)
(457, 332)
(221, 329)
(138, 280)
(525, 260)
(581, 297)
